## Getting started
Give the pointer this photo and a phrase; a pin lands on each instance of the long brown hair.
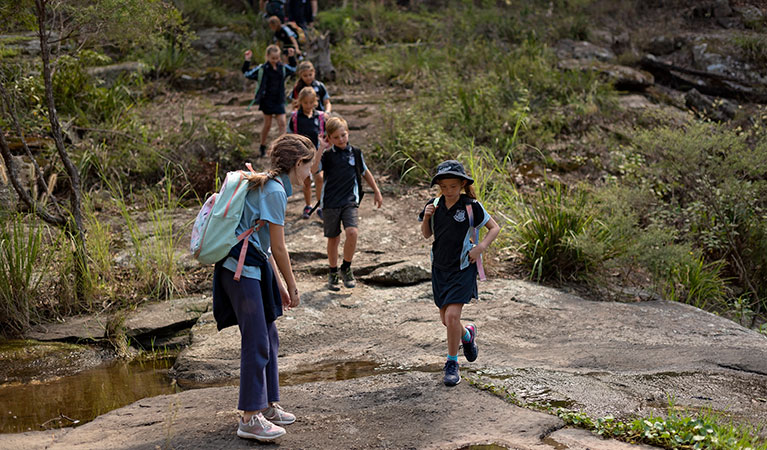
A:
(285, 152)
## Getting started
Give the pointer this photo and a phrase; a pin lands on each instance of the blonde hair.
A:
(271, 49)
(284, 153)
(303, 67)
(307, 92)
(274, 20)
(334, 124)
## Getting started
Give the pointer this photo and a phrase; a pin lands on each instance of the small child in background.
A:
(306, 72)
(343, 168)
(309, 122)
(284, 36)
(450, 219)
(270, 92)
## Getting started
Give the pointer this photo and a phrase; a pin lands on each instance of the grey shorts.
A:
(332, 218)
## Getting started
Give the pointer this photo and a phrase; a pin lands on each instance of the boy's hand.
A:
(429, 211)
(291, 52)
(248, 55)
(378, 200)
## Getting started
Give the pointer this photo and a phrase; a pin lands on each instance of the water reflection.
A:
(83, 396)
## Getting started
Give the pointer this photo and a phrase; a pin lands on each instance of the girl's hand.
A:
(248, 55)
(285, 297)
(378, 200)
(474, 253)
(429, 211)
(294, 299)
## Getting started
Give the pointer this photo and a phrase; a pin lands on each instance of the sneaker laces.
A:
(263, 421)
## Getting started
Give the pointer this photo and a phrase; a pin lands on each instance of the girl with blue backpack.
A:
(454, 219)
(270, 88)
(247, 293)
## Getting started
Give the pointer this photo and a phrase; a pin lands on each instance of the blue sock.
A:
(452, 358)
(466, 335)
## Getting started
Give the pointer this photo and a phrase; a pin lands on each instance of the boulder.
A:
(661, 45)
(402, 274)
(108, 75)
(720, 110)
(155, 320)
(751, 16)
(569, 49)
(623, 77)
(212, 40)
(71, 329)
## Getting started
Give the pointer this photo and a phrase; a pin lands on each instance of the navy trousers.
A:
(259, 378)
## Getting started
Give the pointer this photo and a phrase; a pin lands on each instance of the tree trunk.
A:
(75, 223)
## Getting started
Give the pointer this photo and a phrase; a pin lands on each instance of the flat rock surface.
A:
(155, 318)
(71, 329)
(396, 410)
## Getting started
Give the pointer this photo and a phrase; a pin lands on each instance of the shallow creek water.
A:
(79, 398)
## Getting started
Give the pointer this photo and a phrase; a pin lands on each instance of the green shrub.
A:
(23, 260)
(547, 229)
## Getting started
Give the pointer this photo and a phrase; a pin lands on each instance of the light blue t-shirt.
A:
(269, 204)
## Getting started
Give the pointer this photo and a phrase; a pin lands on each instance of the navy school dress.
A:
(453, 277)
(270, 94)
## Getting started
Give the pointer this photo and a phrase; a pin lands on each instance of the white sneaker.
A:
(276, 414)
(259, 428)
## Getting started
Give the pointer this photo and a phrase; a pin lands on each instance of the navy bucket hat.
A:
(451, 169)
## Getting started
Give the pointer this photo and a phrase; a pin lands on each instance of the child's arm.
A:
(284, 294)
(492, 232)
(326, 104)
(426, 222)
(378, 198)
(246, 70)
(282, 260)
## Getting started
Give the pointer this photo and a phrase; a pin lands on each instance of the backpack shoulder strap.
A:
(294, 121)
(436, 204)
(260, 76)
(475, 237)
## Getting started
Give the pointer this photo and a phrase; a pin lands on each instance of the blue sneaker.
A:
(452, 374)
(470, 348)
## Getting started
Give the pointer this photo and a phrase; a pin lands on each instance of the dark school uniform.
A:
(319, 89)
(453, 277)
(340, 187)
(283, 34)
(300, 12)
(272, 86)
(307, 126)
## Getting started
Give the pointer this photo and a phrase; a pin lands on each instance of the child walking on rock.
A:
(270, 92)
(256, 300)
(451, 219)
(307, 121)
(343, 169)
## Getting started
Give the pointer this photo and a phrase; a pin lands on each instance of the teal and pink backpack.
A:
(213, 233)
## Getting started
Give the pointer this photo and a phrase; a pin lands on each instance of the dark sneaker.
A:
(260, 429)
(319, 213)
(333, 281)
(452, 375)
(276, 414)
(348, 277)
(307, 211)
(470, 348)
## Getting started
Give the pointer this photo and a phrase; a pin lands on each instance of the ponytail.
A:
(285, 152)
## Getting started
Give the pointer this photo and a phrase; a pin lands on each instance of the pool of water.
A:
(79, 398)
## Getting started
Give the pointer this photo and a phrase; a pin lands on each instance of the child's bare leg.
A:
(452, 314)
(308, 191)
(350, 244)
(333, 250)
(281, 124)
(265, 128)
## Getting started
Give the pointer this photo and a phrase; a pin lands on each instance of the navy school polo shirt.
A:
(450, 250)
(340, 187)
(306, 126)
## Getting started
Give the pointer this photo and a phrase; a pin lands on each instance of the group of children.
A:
(338, 169)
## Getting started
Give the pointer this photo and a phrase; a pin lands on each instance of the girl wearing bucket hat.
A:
(452, 218)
